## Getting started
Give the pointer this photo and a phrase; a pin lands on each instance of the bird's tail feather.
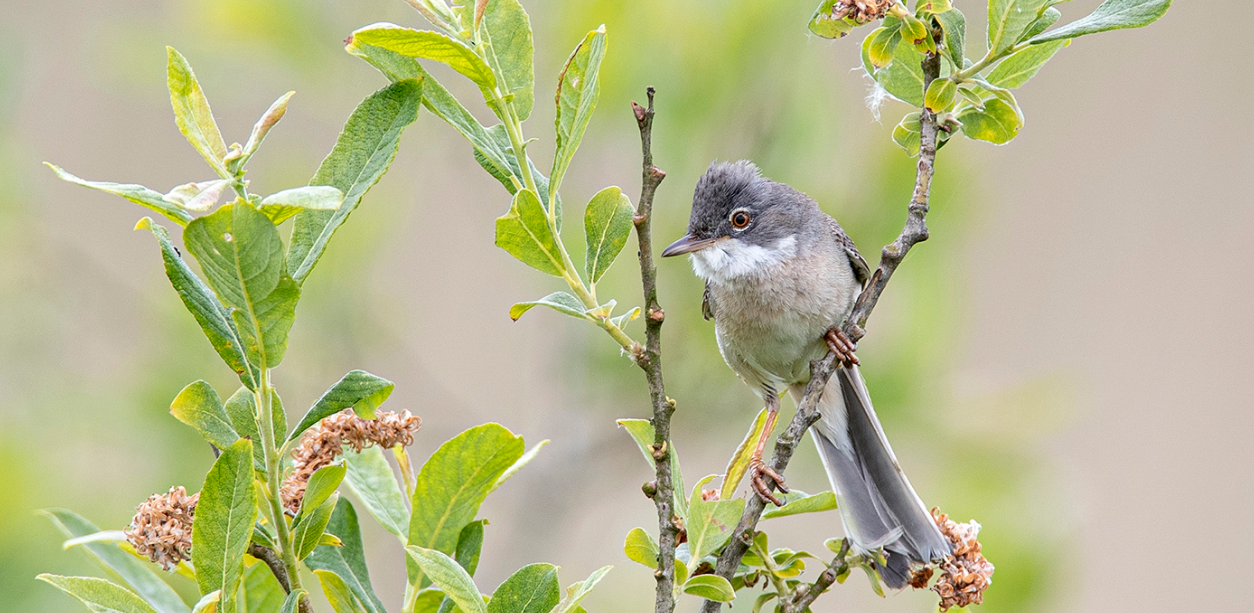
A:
(877, 504)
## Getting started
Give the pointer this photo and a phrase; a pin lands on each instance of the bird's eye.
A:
(740, 219)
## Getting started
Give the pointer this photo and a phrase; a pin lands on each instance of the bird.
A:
(781, 278)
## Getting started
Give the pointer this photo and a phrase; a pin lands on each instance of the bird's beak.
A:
(687, 244)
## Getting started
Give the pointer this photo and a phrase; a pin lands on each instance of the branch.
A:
(650, 360)
(804, 598)
(272, 560)
(915, 231)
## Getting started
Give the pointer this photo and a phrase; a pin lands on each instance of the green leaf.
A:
(119, 564)
(913, 30)
(532, 589)
(710, 587)
(470, 545)
(200, 407)
(578, 591)
(518, 464)
(99, 595)
(641, 548)
(884, 43)
(525, 233)
(578, 88)
(428, 601)
(321, 485)
(262, 593)
(449, 576)
(1009, 19)
(198, 197)
(800, 502)
(292, 601)
(903, 78)
(607, 225)
(941, 95)
(268, 120)
(281, 206)
(348, 561)
(224, 521)
(1049, 17)
(452, 484)
(954, 24)
(192, 114)
(370, 478)
(241, 408)
(561, 302)
(1110, 15)
(428, 45)
(710, 523)
(215, 320)
(908, 139)
(643, 433)
(762, 600)
(358, 389)
(135, 193)
(242, 256)
(823, 24)
(997, 123)
(1021, 66)
(338, 593)
(208, 603)
(739, 464)
(307, 531)
(509, 30)
(362, 153)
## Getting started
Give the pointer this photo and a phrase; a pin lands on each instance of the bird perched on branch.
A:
(781, 277)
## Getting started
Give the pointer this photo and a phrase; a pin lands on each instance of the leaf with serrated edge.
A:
(525, 233)
(223, 525)
(1110, 15)
(739, 464)
(200, 407)
(358, 389)
(562, 302)
(99, 595)
(607, 225)
(191, 112)
(348, 561)
(449, 576)
(578, 87)
(135, 193)
(370, 477)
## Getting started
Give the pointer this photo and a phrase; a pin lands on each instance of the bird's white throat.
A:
(730, 259)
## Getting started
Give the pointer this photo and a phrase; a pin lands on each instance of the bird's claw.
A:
(842, 346)
(757, 470)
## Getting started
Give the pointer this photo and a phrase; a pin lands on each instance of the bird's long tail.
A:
(877, 504)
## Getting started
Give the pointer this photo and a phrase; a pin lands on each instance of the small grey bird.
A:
(781, 277)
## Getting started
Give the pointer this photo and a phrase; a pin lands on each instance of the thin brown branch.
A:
(650, 360)
(915, 231)
(275, 562)
(807, 594)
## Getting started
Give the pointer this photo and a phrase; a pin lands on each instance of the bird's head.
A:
(742, 223)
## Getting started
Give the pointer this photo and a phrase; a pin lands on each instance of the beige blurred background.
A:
(1067, 360)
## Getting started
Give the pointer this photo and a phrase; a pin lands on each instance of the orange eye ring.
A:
(740, 219)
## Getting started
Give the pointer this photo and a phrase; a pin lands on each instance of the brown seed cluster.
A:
(162, 527)
(965, 574)
(861, 11)
(326, 440)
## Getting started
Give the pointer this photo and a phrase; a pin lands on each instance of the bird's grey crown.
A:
(776, 210)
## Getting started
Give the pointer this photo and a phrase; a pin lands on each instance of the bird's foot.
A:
(842, 346)
(757, 471)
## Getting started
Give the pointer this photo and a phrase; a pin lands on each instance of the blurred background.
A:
(1066, 360)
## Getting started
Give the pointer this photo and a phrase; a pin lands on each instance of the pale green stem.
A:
(262, 397)
(407, 469)
(988, 60)
(772, 570)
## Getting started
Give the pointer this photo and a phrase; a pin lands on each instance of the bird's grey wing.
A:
(861, 271)
(707, 307)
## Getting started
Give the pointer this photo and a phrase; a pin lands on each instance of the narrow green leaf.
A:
(99, 595)
(470, 545)
(1009, 19)
(710, 523)
(643, 433)
(762, 600)
(362, 153)
(823, 24)
(268, 120)
(428, 45)
(358, 389)
(224, 521)
(281, 206)
(525, 233)
(971, 97)
(531, 589)
(307, 531)
(452, 484)
(135, 193)
(262, 593)
(509, 30)
(1110, 15)
(883, 45)
(607, 225)
(954, 24)
(119, 564)
(997, 123)
(941, 95)
(641, 548)
(338, 593)
(517, 465)
(739, 464)
(191, 112)
(348, 561)
(371, 480)
(578, 591)
(578, 88)
(321, 485)
(800, 502)
(199, 406)
(449, 576)
(292, 601)
(561, 302)
(710, 587)
(1021, 66)
(1049, 17)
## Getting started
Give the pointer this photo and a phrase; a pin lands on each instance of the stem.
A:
(915, 231)
(262, 399)
(989, 59)
(772, 571)
(805, 597)
(649, 358)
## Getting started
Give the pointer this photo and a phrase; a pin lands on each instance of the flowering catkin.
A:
(162, 527)
(325, 441)
(966, 574)
(861, 11)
